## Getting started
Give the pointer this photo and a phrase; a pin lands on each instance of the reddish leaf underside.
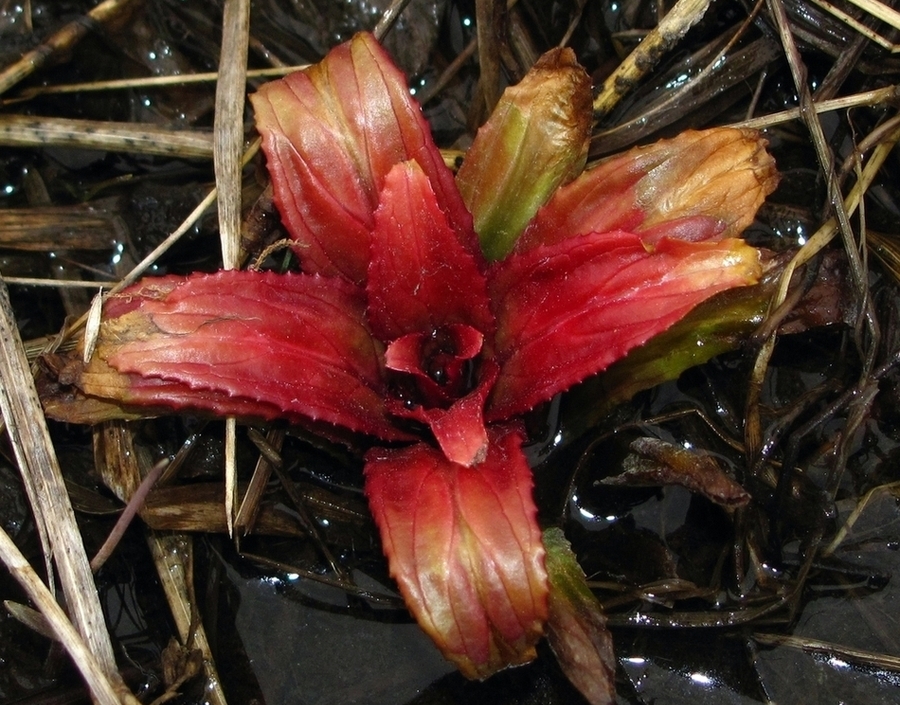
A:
(569, 310)
(464, 546)
(234, 342)
(331, 134)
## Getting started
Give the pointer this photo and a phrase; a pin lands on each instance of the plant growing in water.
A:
(433, 311)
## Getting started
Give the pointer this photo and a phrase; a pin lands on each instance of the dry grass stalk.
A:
(851, 21)
(92, 670)
(389, 17)
(62, 40)
(51, 228)
(878, 96)
(120, 466)
(57, 283)
(229, 125)
(198, 508)
(245, 518)
(848, 654)
(138, 138)
(36, 457)
(148, 82)
(840, 222)
(229, 138)
(813, 246)
(880, 10)
(683, 15)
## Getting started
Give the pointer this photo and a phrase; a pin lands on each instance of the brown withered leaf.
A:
(656, 462)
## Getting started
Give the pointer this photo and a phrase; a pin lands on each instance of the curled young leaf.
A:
(654, 462)
(707, 184)
(536, 139)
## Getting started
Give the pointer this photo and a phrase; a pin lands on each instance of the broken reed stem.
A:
(878, 96)
(62, 40)
(229, 137)
(46, 489)
(388, 18)
(148, 82)
(121, 470)
(173, 556)
(683, 15)
(139, 138)
(871, 659)
(93, 672)
(824, 235)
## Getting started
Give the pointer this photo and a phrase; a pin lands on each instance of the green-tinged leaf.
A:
(719, 325)
(536, 139)
(576, 627)
(570, 310)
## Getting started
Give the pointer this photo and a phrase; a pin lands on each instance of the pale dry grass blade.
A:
(879, 96)
(46, 489)
(147, 82)
(850, 21)
(57, 283)
(229, 124)
(137, 138)
(94, 674)
(878, 9)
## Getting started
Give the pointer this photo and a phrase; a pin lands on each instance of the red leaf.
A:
(244, 342)
(464, 546)
(331, 134)
(421, 277)
(569, 310)
(713, 180)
